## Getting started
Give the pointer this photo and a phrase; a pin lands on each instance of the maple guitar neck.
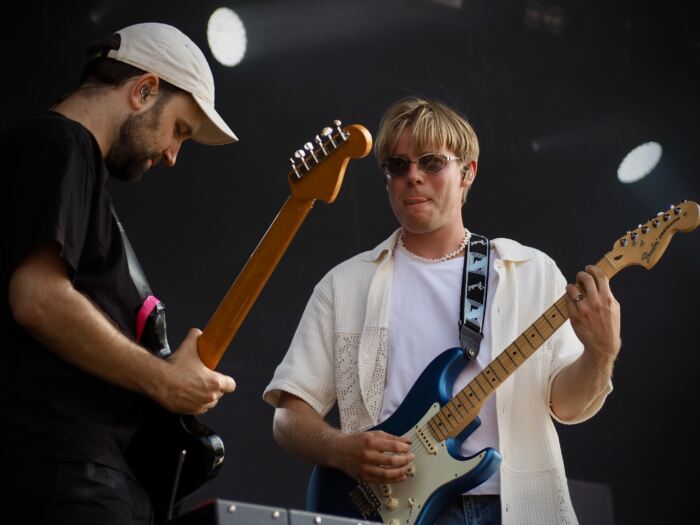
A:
(317, 173)
(643, 246)
(227, 318)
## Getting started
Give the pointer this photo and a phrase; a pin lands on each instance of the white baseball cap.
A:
(169, 53)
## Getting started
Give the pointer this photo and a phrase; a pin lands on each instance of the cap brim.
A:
(213, 131)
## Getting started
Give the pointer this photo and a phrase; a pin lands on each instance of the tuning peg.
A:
(301, 155)
(319, 141)
(634, 236)
(666, 217)
(655, 223)
(677, 210)
(328, 133)
(623, 242)
(645, 229)
(341, 133)
(310, 148)
(294, 168)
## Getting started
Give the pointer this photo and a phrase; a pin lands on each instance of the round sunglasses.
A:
(428, 163)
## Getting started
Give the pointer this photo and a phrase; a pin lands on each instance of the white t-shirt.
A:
(423, 322)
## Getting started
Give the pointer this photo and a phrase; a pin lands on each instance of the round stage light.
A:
(226, 36)
(639, 162)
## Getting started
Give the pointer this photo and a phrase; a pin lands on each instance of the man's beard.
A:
(128, 159)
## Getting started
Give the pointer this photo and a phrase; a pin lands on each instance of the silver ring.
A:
(578, 298)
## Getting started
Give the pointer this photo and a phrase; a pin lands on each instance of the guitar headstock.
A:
(647, 243)
(318, 168)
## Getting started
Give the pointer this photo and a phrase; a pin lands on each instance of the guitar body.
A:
(437, 476)
(155, 456)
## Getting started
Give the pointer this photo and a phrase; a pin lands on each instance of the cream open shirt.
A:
(339, 354)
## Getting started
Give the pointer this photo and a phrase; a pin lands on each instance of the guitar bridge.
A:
(364, 500)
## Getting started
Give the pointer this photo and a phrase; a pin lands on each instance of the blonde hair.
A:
(433, 125)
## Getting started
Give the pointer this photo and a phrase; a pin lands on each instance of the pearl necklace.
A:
(447, 257)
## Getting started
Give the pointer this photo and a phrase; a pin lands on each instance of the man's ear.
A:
(143, 91)
(469, 172)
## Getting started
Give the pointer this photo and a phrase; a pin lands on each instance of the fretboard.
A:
(461, 410)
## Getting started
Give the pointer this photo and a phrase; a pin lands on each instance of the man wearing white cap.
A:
(74, 378)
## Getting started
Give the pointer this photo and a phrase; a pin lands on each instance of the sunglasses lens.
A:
(431, 163)
(395, 166)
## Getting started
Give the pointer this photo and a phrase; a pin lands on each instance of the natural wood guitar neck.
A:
(465, 406)
(227, 318)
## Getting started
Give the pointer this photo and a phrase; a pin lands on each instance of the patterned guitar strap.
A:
(150, 316)
(475, 279)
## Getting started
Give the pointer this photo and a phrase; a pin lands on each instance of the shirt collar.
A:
(383, 249)
(510, 250)
(507, 249)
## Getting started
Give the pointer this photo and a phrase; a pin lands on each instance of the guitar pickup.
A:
(426, 441)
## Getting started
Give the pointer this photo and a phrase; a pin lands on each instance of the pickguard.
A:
(433, 468)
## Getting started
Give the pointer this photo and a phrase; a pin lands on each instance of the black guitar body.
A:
(171, 454)
(156, 458)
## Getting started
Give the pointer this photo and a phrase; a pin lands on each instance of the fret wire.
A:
(490, 368)
(526, 345)
(498, 360)
(551, 313)
(539, 332)
(480, 385)
(515, 343)
(560, 305)
(462, 413)
(544, 328)
(532, 333)
(468, 401)
(472, 392)
(507, 352)
(444, 420)
(452, 420)
(524, 336)
(460, 407)
(433, 427)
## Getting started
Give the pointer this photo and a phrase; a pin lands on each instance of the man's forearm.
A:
(44, 302)
(580, 384)
(300, 430)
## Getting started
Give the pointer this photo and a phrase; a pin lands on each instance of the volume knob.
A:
(392, 503)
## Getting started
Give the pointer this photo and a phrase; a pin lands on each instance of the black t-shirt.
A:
(55, 192)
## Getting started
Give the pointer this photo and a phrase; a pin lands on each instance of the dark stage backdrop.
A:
(555, 114)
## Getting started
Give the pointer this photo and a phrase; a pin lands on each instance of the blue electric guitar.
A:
(437, 423)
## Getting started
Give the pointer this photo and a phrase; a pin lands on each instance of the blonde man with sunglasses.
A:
(376, 321)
